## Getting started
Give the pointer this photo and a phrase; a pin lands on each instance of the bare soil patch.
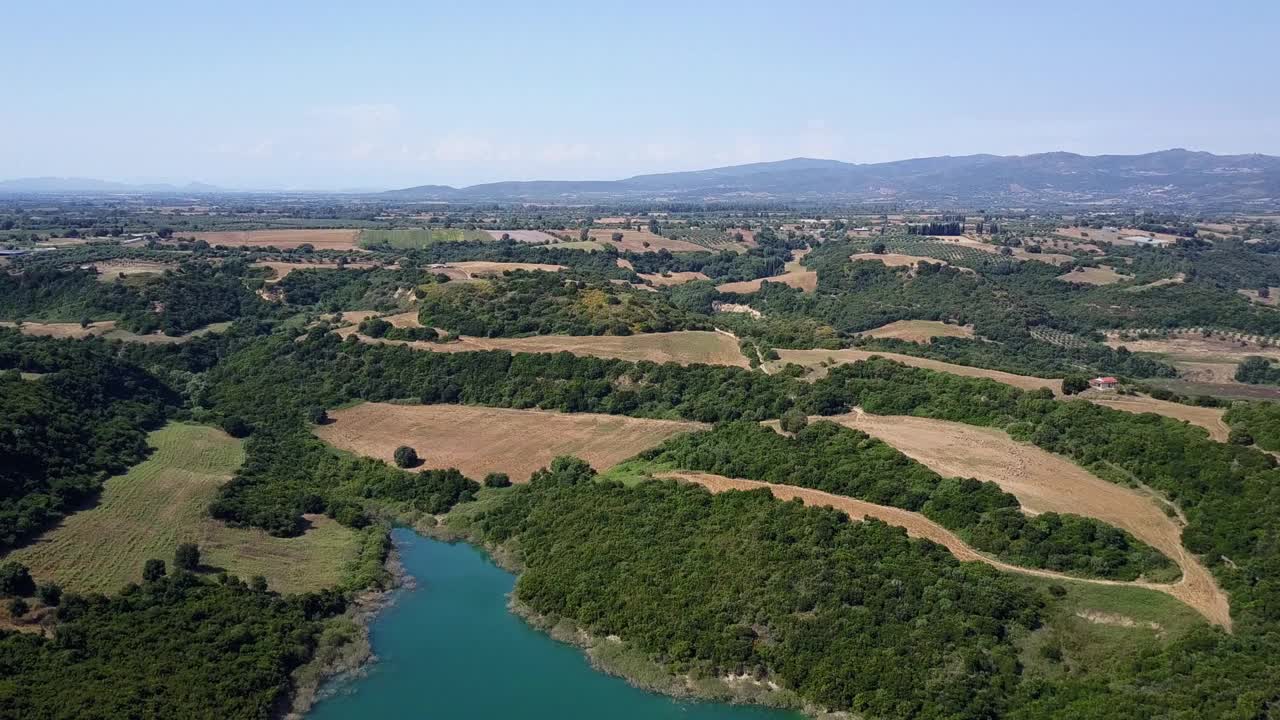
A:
(815, 359)
(919, 331)
(1101, 275)
(1206, 417)
(283, 239)
(481, 440)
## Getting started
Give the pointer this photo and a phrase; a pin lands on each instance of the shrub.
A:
(793, 421)
(236, 427)
(153, 570)
(49, 593)
(497, 480)
(1073, 384)
(18, 607)
(187, 557)
(15, 580)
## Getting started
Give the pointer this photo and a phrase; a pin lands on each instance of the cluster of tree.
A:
(1258, 371)
(737, 583)
(937, 228)
(1257, 421)
(175, 646)
(63, 433)
(526, 303)
(378, 328)
(843, 461)
(336, 290)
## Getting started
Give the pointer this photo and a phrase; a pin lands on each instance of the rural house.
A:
(1103, 383)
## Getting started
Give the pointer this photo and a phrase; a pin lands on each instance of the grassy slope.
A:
(161, 502)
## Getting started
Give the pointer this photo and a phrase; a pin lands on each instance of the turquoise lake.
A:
(449, 648)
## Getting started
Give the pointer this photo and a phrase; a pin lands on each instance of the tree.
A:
(318, 415)
(878, 248)
(1239, 436)
(793, 421)
(1073, 384)
(616, 237)
(49, 593)
(584, 234)
(187, 557)
(153, 570)
(497, 480)
(15, 580)
(18, 607)
(236, 427)
(406, 457)
(258, 583)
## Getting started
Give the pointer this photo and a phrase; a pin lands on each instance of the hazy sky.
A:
(379, 94)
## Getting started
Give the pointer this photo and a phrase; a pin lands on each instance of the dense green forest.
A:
(844, 461)
(61, 434)
(525, 303)
(175, 647)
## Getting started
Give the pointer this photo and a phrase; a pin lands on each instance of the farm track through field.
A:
(919, 526)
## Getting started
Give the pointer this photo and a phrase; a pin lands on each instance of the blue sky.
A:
(330, 95)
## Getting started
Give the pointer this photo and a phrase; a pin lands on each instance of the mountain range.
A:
(1176, 179)
(1172, 178)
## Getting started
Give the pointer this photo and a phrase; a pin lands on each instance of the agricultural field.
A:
(820, 360)
(110, 270)
(1044, 482)
(164, 501)
(481, 440)
(1193, 347)
(1177, 279)
(279, 270)
(919, 331)
(672, 278)
(1115, 237)
(794, 274)
(474, 269)
(685, 347)
(282, 239)
(524, 236)
(1101, 275)
(1271, 300)
(409, 238)
(632, 241)
(108, 330)
(1209, 418)
(896, 260)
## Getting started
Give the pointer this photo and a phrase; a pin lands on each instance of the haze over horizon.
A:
(465, 95)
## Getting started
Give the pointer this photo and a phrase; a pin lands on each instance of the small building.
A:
(1103, 383)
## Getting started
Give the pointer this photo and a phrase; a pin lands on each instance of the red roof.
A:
(1108, 380)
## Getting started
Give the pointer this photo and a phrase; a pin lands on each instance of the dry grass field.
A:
(281, 269)
(283, 239)
(1101, 275)
(794, 274)
(816, 358)
(1115, 237)
(1044, 482)
(685, 347)
(164, 501)
(1206, 417)
(1195, 348)
(524, 236)
(109, 270)
(481, 440)
(108, 329)
(896, 260)
(673, 278)
(919, 331)
(1162, 282)
(634, 241)
(481, 268)
(918, 526)
(1272, 299)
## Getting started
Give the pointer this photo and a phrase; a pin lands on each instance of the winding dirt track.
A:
(919, 526)
(1044, 482)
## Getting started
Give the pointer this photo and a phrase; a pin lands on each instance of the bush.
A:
(153, 570)
(18, 607)
(1239, 437)
(49, 593)
(236, 427)
(1073, 384)
(15, 580)
(497, 480)
(793, 421)
(187, 557)
(406, 457)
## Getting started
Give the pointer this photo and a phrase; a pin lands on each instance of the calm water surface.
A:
(451, 649)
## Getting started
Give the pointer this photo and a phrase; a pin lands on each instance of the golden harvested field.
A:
(481, 440)
(1101, 275)
(1162, 282)
(109, 270)
(1116, 237)
(685, 347)
(1195, 348)
(64, 330)
(815, 359)
(283, 239)
(281, 269)
(919, 331)
(1206, 417)
(795, 275)
(634, 240)
(895, 260)
(916, 525)
(1044, 482)
(164, 501)
(524, 236)
(673, 278)
(482, 268)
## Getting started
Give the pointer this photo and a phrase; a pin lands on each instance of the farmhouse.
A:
(1145, 240)
(1103, 383)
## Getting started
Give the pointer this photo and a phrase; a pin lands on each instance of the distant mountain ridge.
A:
(1167, 178)
(90, 185)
